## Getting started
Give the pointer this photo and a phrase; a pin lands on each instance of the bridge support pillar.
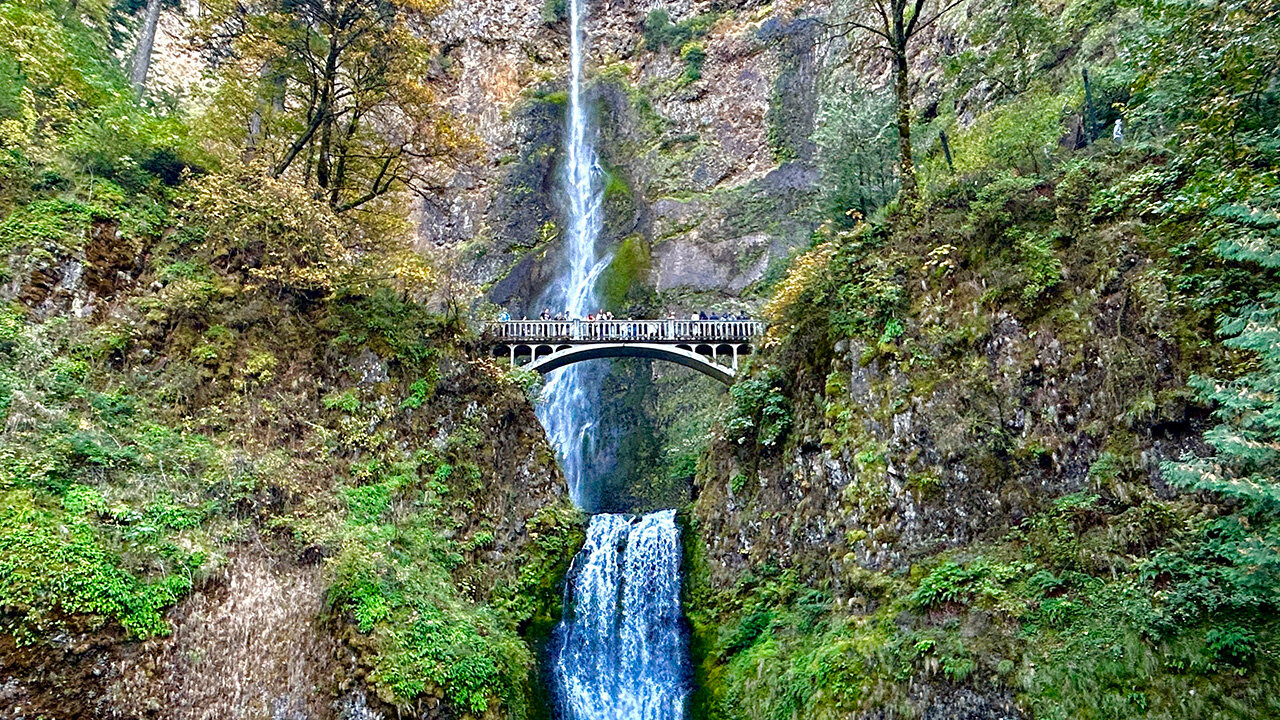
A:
(513, 356)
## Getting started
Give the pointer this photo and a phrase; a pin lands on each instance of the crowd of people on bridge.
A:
(604, 315)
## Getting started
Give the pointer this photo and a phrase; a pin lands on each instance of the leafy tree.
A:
(856, 148)
(895, 23)
(1009, 40)
(1228, 90)
(333, 94)
(280, 240)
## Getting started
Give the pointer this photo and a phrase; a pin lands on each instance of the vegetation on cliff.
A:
(216, 339)
(1000, 458)
(1011, 450)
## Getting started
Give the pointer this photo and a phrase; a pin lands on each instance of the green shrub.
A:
(53, 569)
(694, 55)
(761, 413)
(1020, 136)
(553, 11)
(1039, 268)
(661, 33)
(949, 583)
(346, 401)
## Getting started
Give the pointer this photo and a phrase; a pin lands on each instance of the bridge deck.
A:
(578, 332)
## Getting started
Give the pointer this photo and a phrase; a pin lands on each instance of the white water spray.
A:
(568, 410)
(621, 649)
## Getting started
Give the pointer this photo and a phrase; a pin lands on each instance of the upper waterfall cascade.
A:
(568, 409)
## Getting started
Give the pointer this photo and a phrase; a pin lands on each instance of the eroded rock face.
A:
(931, 463)
(731, 265)
(712, 140)
(252, 643)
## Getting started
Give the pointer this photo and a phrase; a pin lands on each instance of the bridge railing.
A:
(586, 331)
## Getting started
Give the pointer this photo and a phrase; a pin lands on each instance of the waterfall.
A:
(620, 651)
(571, 395)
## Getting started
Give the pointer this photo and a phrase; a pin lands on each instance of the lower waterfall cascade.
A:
(620, 652)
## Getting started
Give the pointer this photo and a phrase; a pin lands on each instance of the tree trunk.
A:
(946, 150)
(906, 165)
(1090, 122)
(146, 41)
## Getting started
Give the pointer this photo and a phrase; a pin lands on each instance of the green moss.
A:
(426, 634)
(59, 224)
(616, 188)
(622, 283)
(1096, 644)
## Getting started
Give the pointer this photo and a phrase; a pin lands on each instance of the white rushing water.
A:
(620, 651)
(571, 395)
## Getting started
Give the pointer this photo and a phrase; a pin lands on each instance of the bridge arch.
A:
(671, 353)
(703, 345)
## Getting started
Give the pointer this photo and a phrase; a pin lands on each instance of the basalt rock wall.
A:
(704, 143)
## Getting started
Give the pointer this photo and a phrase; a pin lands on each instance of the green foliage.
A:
(64, 93)
(1039, 266)
(694, 55)
(58, 224)
(1224, 94)
(845, 287)
(346, 401)
(684, 37)
(866, 302)
(1115, 643)
(857, 147)
(948, 583)
(393, 574)
(392, 327)
(529, 381)
(761, 413)
(553, 11)
(1246, 464)
(660, 33)
(419, 391)
(996, 204)
(1020, 137)
(223, 293)
(329, 120)
(1103, 605)
(53, 568)
(99, 521)
(1010, 42)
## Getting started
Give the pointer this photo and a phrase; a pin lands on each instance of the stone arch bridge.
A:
(712, 347)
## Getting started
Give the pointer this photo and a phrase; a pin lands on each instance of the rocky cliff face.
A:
(331, 480)
(704, 122)
(930, 460)
(261, 636)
